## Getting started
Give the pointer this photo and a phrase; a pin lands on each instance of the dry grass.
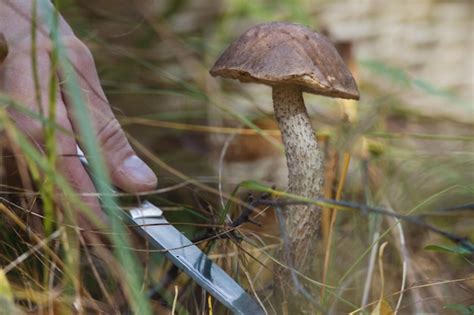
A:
(201, 138)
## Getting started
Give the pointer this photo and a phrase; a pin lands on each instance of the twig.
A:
(469, 206)
(457, 239)
(249, 208)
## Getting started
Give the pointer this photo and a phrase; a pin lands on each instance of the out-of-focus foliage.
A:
(410, 137)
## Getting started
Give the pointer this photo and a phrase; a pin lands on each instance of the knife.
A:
(149, 221)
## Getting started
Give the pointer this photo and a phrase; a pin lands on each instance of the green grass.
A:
(416, 164)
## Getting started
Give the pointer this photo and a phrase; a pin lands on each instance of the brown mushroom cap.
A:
(286, 53)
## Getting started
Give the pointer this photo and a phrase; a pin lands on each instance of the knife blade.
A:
(149, 221)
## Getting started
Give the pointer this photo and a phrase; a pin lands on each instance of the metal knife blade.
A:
(189, 258)
(149, 221)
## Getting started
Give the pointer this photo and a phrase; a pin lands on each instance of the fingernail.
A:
(138, 172)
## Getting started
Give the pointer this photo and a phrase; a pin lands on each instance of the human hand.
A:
(127, 171)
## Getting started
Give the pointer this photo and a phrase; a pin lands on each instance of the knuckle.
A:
(112, 137)
(78, 52)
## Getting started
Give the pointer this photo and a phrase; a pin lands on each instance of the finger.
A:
(17, 80)
(22, 89)
(71, 168)
(127, 170)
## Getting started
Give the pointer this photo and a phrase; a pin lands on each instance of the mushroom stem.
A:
(305, 173)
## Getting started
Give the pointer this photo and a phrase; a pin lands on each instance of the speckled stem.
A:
(305, 166)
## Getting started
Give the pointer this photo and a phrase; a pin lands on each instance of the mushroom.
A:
(292, 59)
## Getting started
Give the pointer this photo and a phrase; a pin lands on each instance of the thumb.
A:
(127, 171)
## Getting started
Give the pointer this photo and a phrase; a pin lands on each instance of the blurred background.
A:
(412, 59)
(410, 137)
